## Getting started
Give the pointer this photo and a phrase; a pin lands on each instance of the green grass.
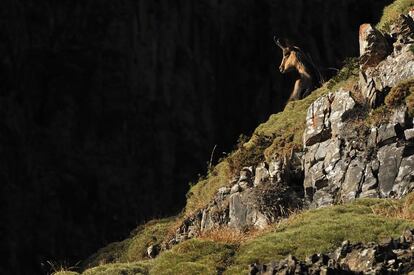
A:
(135, 247)
(392, 11)
(202, 193)
(194, 257)
(118, 269)
(319, 231)
(313, 231)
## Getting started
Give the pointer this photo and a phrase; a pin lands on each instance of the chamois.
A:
(295, 59)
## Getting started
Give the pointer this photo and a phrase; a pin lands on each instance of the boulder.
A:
(373, 46)
(389, 157)
(354, 175)
(317, 121)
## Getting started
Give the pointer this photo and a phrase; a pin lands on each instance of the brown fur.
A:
(295, 59)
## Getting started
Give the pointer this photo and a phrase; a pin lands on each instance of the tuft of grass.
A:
(65, 272)
(399, 93)
(194, 257)
(135, 247)
(119, 269)
(319, 231)
(401, 209)
(392, 11)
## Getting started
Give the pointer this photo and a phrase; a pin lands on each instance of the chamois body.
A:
(309, 76)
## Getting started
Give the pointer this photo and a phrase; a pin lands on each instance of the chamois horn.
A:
(277, 42)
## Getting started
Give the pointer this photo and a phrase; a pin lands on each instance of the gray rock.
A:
(246, 174)
(404, 182)
(391, 257)
(322, 150)
(370, 183)
(351, 185)
(388, 73)
(235, 188)
(315, 177)
(386, 134)
(341, 104)
(276, 170)
(373, 47)
(336, 175)
(243, 213)
(333, 154)
(372, 138)
(153, 250)
(317, 121)
(309, 157)
(326, 115)
(262, 174)
(322, 198)
(245, 185)
(409, 134)
(223, 192)
(389, 157)
(400, 116)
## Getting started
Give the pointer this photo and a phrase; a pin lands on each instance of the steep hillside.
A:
(331, 174)
(109, 108)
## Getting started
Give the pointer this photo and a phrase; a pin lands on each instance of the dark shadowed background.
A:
(108, 109)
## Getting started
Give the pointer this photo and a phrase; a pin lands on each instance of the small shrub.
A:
(399, 93)
(401, 209)
(225, 235)
(378, 116)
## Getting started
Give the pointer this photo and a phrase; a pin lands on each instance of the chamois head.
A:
(290, 56)
(295, 59)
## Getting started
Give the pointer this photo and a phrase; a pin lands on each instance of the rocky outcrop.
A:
(342, 159)
(259, 197)
(380, 71)
(109, 108)
(392, 256)
(352, 161)
(373, 46)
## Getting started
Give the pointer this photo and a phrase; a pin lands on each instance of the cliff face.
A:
(348, 150)
(332, 174)
(109, 109)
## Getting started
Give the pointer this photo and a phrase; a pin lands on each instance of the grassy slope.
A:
(134, 248)
(328, 226)
(303, 234)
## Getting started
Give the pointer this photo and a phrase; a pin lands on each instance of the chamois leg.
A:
(296, 91)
